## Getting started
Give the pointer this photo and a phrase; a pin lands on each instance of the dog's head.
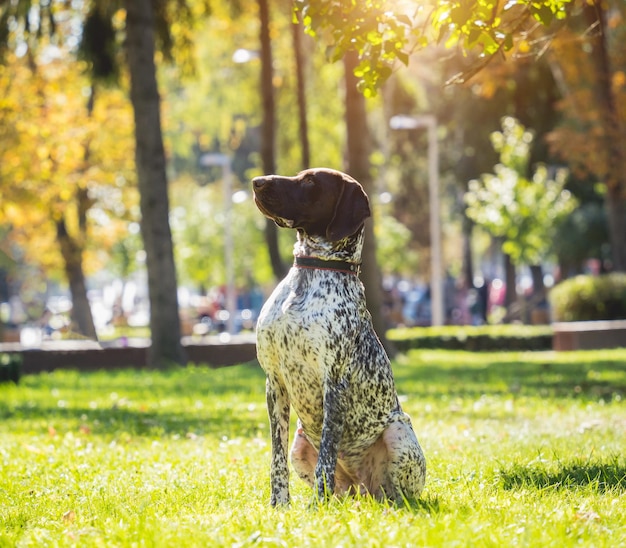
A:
(320, 202)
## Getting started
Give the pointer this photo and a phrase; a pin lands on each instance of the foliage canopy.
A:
(384, 32)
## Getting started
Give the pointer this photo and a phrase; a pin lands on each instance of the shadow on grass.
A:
(177, 402)
(597, 380)
(204, 401)
(119, 422)
(601, 477)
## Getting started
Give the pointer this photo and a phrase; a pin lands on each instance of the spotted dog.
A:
(320, 353)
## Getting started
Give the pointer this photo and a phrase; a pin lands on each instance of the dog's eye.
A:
(309, 186)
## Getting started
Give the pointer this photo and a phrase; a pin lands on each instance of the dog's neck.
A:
(348, 249)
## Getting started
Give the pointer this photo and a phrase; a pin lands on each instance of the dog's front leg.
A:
(278, 410)
(332, 431)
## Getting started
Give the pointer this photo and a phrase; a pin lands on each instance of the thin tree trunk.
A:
(72, 249)
(268, 131)
(536, 272)
(154, 202)
(72, 253)
(536, 306)
(358, 141)
(613, 135)
(615, 204)
(510, 294)
(301, 92)
(467, 268)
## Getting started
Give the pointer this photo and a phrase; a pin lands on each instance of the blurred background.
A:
(492, 177)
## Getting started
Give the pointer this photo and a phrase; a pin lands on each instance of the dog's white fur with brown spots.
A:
(316, 343)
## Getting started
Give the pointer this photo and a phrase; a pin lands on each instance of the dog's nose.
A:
(258, 182)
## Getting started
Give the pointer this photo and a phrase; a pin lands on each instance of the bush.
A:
(588, 298)
(473, 338)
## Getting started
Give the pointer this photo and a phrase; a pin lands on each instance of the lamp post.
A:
(223, 160)
(428, 121)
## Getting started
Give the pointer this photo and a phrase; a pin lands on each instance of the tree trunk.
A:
(613, 135)
(536, 272)
(268, 131)
(615, 204)
(537, 302)
(467, 267)
(72, 249)
(154, 202)
(510, 294)
(301, 92)
(358, 141)
(72, 253)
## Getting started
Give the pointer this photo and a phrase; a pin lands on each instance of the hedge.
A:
(590, 298)
(10, 367)
(473, 338)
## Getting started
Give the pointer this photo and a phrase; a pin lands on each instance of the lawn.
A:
(523, 449)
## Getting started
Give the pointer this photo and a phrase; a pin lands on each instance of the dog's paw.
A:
(279, 499)
(323, 491)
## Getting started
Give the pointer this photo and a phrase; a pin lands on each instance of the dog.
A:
(321, 356)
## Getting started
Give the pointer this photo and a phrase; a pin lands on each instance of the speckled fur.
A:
(316, 343)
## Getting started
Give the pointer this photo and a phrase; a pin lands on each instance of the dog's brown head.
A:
(321, 202)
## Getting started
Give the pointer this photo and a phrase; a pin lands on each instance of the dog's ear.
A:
(351, 210)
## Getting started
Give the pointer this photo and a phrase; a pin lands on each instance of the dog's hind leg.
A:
(406, 465)
(304, 457)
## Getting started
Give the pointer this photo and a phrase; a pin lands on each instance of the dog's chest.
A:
(307, 326)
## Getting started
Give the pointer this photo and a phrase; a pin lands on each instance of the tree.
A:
(143, 21)
(590, 66)
(268, 129)
(358, 165)
(150, 160)
(147, 22)
(303, 126)
(61, 156)
(524, 213)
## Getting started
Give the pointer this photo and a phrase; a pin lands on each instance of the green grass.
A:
(523, 450)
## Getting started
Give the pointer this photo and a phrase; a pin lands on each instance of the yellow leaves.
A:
(614, 19)
(42, 152)
(618, 80)
(523, 47)
(15, 216)
(119, 19)
(65, 194)
(50, 145)
(488, 89)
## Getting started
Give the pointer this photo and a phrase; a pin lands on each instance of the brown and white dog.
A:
(316, 343)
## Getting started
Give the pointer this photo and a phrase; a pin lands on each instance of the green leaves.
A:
(385, 33)
(523, 212)
(381, 37)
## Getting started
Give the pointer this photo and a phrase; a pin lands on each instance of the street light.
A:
(223, 160)
(402, 121)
